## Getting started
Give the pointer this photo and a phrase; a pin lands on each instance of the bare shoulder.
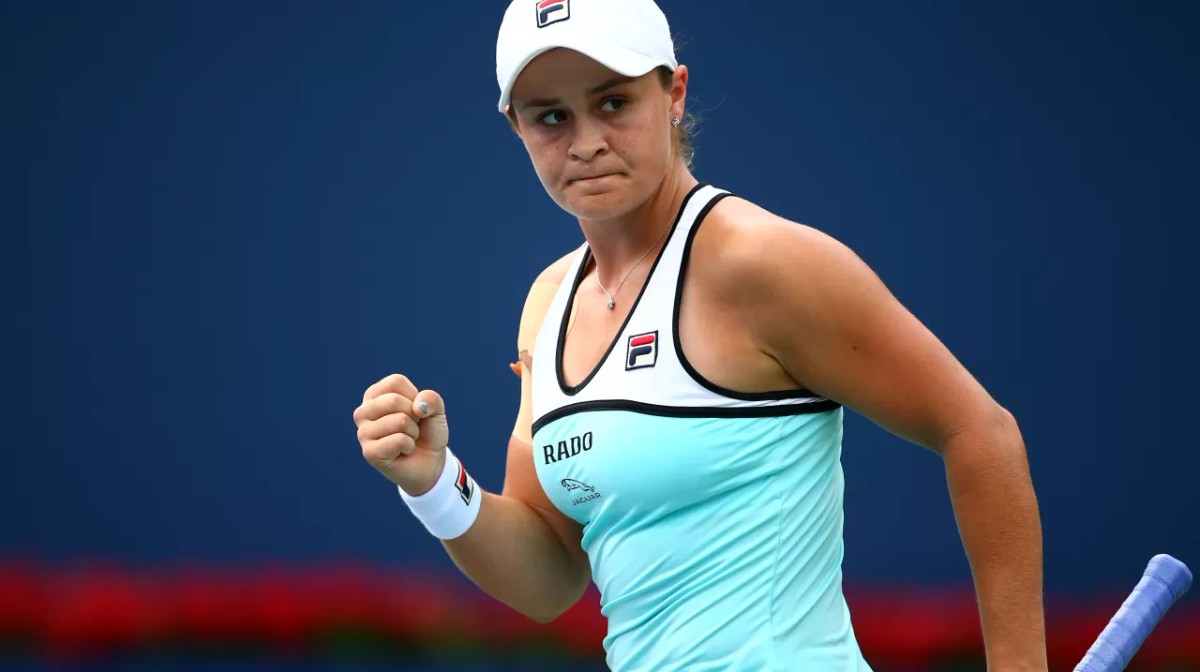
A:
(537, 303)
(748, 250)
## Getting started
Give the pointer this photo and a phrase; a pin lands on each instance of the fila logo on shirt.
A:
(642, 351)
(552, 11)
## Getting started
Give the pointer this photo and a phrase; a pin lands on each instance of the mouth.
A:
(591, 178)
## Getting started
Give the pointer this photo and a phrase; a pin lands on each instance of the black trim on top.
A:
(572, 390)
(687, 411)
(775, 395)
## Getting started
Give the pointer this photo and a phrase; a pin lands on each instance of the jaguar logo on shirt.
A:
(571, 484)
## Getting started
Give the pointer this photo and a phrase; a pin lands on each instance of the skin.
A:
(767, 304)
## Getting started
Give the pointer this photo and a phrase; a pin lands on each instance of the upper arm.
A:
(832, 324)
(533, 314)
(520, 478)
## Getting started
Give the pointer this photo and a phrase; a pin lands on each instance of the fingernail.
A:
(424, 407)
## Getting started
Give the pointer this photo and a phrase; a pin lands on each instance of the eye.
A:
(613, 104)
(552, 118)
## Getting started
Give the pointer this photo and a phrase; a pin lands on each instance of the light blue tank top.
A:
(712, 519)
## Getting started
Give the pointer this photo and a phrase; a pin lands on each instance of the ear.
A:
(679, 82)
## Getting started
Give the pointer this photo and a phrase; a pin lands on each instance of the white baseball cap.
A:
(628, 36)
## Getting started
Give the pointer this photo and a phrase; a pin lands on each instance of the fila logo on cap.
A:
(642, 351)
(552, 11)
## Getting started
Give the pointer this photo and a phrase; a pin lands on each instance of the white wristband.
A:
(451, 506)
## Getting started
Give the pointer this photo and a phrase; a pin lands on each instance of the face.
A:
(600, 142)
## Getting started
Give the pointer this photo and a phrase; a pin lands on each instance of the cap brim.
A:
(618, 59)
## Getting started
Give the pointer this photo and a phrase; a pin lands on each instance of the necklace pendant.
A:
(612, 303)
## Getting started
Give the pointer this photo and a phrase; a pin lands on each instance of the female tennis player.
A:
(683, 379)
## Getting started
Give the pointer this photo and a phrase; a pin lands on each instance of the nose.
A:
(589, 140)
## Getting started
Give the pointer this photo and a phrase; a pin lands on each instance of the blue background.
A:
(229, 219)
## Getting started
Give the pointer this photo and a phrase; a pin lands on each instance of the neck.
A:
(617, 244)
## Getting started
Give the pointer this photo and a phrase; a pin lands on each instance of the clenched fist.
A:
(403, 433)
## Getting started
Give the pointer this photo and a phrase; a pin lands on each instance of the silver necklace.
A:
(612, 296)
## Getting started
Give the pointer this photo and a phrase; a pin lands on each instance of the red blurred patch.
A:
(95, 608)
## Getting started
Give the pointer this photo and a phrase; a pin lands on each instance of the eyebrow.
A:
(551, 102)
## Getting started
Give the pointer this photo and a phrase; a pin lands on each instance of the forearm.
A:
(514, 555)
(994, 503)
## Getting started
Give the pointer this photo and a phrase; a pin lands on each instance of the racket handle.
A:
(1163, 582)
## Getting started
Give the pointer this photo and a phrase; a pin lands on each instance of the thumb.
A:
(428, 404)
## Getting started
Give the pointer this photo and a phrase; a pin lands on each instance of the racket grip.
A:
(1163, 582)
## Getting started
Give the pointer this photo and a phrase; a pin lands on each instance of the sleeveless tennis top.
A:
(712, 519)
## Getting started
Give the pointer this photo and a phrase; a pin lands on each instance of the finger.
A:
(396, 423)
(381, 453)
(382, 405)
(428, 403)
(394, 383)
